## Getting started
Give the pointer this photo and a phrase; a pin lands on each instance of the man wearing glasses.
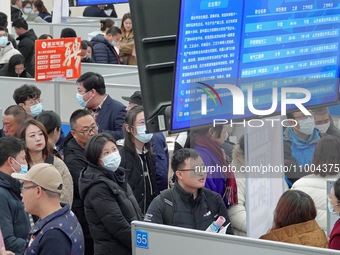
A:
(28, 97)
(14, 220)
(83, 127)
(188, 204)
(58, 230)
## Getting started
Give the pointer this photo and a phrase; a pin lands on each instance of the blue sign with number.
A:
(142, 239)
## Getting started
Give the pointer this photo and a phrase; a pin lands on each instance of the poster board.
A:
(57, 58)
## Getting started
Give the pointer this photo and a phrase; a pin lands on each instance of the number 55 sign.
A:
(142, 239)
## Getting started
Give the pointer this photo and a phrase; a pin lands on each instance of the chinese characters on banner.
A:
(57, 58)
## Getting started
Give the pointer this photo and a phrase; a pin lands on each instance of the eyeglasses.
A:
(197, 170)
(27, 187)
(87, 132)
(34, 101)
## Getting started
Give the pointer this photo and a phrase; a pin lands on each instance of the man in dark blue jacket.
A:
(108, 113)
(103, 46)
(159, 146)
(13, 218)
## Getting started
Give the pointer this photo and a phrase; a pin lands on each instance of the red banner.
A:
(57, 58)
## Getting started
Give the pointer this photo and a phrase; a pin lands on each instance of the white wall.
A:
(121, 9)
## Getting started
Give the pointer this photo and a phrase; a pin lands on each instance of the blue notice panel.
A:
(259, 47)
(142, 239)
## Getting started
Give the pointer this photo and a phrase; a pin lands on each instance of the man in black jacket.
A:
(188, 204)
(26, 45)
(16, 9)
(83, 127)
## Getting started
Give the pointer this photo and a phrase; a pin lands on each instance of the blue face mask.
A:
(27, 10)
(80, 99)
(142, 136)
(36, 109)
(23, 168)
(112, 161)
(330, 207)
(3, 41)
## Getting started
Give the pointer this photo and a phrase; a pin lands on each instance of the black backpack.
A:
(170, 204)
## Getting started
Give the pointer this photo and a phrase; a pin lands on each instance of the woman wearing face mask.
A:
(15, 67)
(109, 203)
(38, 150)
(334, 207)
(325, 159)
(138, 158)
(103, 46)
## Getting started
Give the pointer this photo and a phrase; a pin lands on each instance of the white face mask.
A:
(307, 126)
(112, 161)
(323, 127)
(142, 136)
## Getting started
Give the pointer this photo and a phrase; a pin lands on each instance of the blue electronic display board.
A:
(94, 2)
(257, 45)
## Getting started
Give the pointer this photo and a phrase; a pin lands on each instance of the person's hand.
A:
(4, 252)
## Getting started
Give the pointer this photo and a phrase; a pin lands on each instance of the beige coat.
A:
(67, 192)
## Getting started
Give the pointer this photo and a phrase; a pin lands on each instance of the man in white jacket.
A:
(6, 48)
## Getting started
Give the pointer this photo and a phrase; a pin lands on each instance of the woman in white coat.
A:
(237, 213)
(325, 165)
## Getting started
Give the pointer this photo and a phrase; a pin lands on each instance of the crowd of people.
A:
(109, 45)
(78, 193)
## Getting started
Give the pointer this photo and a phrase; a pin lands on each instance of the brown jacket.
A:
(305, 233)
(127, 49)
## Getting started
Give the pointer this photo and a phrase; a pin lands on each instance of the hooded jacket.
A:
(26, 47)
(103, 51)
(305, 233)
(298, 152)
(110, 206)
(14, 220)
(7, 52)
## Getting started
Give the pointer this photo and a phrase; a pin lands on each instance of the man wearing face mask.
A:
(14, 220)
(324, 123)
(108, 112)
(103, 46)
(299, 144)
(6, 48)
(28, 97)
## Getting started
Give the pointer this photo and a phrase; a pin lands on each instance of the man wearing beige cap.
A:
(58, 230)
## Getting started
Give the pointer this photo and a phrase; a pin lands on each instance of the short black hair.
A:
(180, 156)
(18, 113)
(25, 92)
(45, 36)
(20, 23)
(68, 33)
(94, 81)
(84, 45)
(3, 29)
(95, 145)
(114, 31)
(50, 120)
(10, 147)
(3, 19)
(76, 115)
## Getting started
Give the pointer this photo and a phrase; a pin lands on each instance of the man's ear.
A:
(73, 133)
(179, 175)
